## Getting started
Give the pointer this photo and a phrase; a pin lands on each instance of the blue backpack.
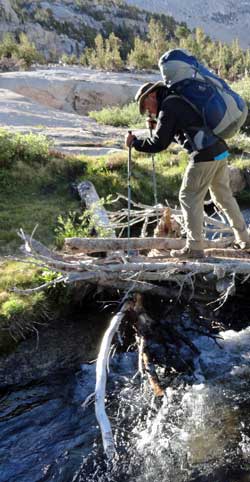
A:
(223, 110)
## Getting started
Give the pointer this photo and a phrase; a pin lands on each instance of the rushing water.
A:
(200, 432)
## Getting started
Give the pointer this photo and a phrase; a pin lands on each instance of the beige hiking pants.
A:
(198, 178)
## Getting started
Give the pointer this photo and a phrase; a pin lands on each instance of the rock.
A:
(62, 346)
(66, 26)
(51, 43)
(70, 133)
(76, 89)
(237, 179)
(7, 12)
(224, 20)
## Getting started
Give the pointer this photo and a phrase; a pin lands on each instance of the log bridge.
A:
(142, 265)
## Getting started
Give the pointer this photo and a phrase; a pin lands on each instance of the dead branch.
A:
(101, 378)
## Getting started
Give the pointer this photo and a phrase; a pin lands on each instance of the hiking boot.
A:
(242, 245)
(187, 252)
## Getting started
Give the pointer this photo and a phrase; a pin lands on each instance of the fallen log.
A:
(139, 273)
(95, 245)
(101, 378)
(88, 194)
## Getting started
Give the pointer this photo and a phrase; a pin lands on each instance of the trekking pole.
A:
(149, 121)
(129, 192)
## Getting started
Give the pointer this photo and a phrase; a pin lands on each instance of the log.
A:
(95, 245)
(88, 194)
(101, 378)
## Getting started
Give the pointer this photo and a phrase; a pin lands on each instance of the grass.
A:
(17, 313)
(39, 192)
(34, 190)
(242, 87)
(125, 116)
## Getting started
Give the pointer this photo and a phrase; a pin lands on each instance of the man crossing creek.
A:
(176, 120)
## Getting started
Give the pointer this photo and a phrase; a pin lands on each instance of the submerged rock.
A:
(62, 346)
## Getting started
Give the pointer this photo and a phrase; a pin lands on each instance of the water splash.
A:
(200, 432)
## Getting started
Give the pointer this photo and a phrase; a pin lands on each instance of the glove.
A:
(129, 139)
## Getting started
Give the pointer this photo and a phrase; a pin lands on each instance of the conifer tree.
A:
(27, 51)
(8, 46)
(157, 43)
(113, 59)
(139, 57)
(105, 55)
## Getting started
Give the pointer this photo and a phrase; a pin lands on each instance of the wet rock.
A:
(60, 347)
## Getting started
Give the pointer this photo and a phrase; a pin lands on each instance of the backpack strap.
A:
(201, 115)
(206, 129)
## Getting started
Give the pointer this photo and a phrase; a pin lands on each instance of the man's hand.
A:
(129, 138)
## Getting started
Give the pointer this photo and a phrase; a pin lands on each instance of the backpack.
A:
(223, 110)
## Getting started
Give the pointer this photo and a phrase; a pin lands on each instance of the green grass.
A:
(125, 116)
(18, 313)
(242, 87)
(35, 194)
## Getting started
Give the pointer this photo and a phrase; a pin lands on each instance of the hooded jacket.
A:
(179, 122)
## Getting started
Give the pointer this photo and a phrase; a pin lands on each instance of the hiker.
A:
(207, 169)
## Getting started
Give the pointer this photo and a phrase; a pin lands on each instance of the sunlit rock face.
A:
(223, 20)
(74, 89)
(65, 26)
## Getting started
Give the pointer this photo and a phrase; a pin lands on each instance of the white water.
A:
(201, 432)
(202, 425)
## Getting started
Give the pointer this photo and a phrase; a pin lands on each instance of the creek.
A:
(200, 432)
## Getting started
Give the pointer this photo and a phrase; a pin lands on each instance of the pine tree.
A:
(139, 57)
(157, 43)
(8, 46)
(105, 55)
(113, 59)
(27, 51)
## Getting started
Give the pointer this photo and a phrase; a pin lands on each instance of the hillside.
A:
(224, 20)
(67, 26)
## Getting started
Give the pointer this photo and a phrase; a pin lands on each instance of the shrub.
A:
(243, 88)
(126, 116)
(84, 225)
(28, 148)
(69, 59)
(27, 51)
(105, 55)
(8, 46)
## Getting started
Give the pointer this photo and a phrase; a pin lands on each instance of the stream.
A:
(200, 432)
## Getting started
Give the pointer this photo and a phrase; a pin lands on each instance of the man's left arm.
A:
(164, 135)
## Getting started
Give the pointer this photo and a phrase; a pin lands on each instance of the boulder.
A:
(237, 179)
(76, 89)
(70, 133)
